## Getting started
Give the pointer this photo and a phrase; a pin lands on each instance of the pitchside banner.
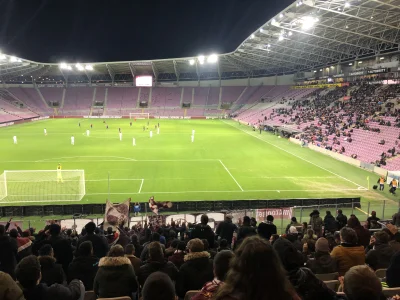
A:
(116, 214)
(277, 213)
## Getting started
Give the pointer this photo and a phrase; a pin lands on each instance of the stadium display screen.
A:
(144, 81)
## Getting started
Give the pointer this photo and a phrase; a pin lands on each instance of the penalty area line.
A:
(141, 185)
(299, 157)
(231, 175)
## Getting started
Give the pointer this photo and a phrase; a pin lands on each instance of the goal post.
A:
(139, 115)
(42, 186)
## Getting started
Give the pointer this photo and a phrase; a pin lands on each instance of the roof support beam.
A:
(197, 70)
(111, 72)
(155, 72)
(176, 69)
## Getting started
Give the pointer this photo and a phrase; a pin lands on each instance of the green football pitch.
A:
(226, 161)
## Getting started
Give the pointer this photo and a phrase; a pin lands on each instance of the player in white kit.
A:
(151, 133)
(158, 130)
(45, 131)
(120, 136)
(193, 132)
(134, 142)
(72, 140)
(87, 132)
(15, 139)
(192, 138)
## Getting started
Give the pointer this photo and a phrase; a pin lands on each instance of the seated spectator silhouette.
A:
(135, 261)
(221, 268)
(381, 253)
(363, 235)
(156, 263)
(99, 242)
(361, 283)
(322, 263)
(349, 253)
(28, 276)
(393, 271)
(115, 277)
(84, 266)
(158, 286)
(51, 271)
(307, 286)
(197, 269)
(256, 273)
(177, 258)
(155, 237)
(171, 249)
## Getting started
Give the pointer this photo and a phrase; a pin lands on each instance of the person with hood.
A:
(349, 253)
(51, 271)
(393, 271)
(9, 289)
(84, 266)
(177, 258)
(322, 263)
(226, 229)
(99, 242)
(197, 269)
(115, 277)
(372, 221)
(156, 263)
(8, 253)
(316, 223)
(307, 286)
(330, 225)
(363, 235)
(28, 277)
(256, 273)
(246, 229)
(380, 255)
(293, 236)
(293, 222)
(203, 231)
(341, 219)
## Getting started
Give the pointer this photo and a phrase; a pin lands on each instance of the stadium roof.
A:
(306, 35)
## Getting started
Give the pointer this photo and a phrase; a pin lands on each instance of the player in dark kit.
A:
(91, 125)
(130, 123)
(144, 128)
(119, 129)
(158, 125)
(107, 127)
(79, 124)
(260, 128)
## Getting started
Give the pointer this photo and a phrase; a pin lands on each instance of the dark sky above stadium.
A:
(95, 31)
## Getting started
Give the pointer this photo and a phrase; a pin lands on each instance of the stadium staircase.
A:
(63, 98)
(105, 101)
(41, 97)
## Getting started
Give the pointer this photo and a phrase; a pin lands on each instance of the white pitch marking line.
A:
(141, 185)
(295, 155)
(51, 159)
(231, 175)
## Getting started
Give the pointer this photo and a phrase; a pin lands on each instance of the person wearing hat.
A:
(316, 222)
(226, 229)
(322, 263)
(197, 269)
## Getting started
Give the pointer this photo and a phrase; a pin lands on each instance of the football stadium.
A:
(300, 123)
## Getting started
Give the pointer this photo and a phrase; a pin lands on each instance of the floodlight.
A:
(347, 4)
(308, 22)
(213, 58)
(89, 67)
(63, 66)
(79, 67)
(280, 38)
(290, 33)
(327, 69)
(281, 16)
(13, 59)
(332, 67)
(252, 36)
(2, 56)
(201, 59)
(268, 45)
(191, 62)
(350, 64)
(360, 62)
(19, 60)
(347, 27)
(382, 58)
(261, 30)
(320, 70)
(315, 71)
(69, 68)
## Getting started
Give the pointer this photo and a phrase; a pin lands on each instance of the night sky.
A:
(96, 31)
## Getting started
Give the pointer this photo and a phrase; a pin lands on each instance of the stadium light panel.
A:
(261, 30)
(347, 4)
(79, 67)
(201, 59)
(268, 45)
(382, 58)
(360, 62)
(13, 59)
(350, 64)
(280, 38)
(332, 67)
(315, 71)
(2, 56)
(89, 67)
(191, 62)
(308, 22)
(290, 33)
(281, 16)
(252, 36)
(213, 58)
(320, 70)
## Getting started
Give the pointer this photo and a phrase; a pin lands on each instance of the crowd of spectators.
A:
(241, 261)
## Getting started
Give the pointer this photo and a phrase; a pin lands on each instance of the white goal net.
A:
(42, 186)
(139, 115)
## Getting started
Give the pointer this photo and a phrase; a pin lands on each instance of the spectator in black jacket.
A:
(84, 266)
(155, 237)
(51, 271)
(265, 230)
(322, 263)
(226, 229)
(197, 269)
(203, 231)
(393, 271)
(372, 221)
(341, 219)
(61, 246)
(380, 255)
(156, 263)
(100, 245)
(115, 277)
(28, 275)
(245, 230)
(330, 225)
(8, 253)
